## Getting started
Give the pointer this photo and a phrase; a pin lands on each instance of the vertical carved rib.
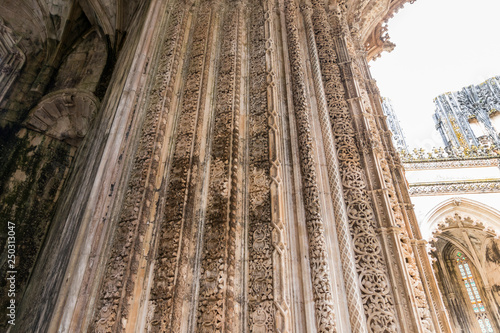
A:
(235, 166)
(176, 230)
(118, 279)
(428, 286)
(276, 174)
(355, 305)
(217, 257)
(261, 308)
(320, 272)
(376, 126)
(375, 291)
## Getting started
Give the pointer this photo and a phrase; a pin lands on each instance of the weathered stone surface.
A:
(204, 195)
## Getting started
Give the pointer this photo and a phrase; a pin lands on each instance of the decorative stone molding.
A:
(110, 311)
(441, 154)
(426, 189)
(377, 40)
(64, 115)
(439, 158)
(463, 117)
(447, 164)
(320, 271)
(317, 14)
(464, 207)
(227, 183)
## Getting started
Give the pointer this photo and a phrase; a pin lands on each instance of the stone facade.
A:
(223, 167)
(398, 137)
(456, 196)
(471, 116)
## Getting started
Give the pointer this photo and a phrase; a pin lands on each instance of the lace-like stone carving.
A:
(356, 313)
(216, 294)
(280, 291)
(320, 272)
(261, 309)
(166, 281)
(375, 292)
(382, 158)
(116, 286)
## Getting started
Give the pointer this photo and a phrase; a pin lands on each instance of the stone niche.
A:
(64, 115)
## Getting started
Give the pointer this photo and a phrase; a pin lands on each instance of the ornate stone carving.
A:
(217, 258)
(375, 293)
(356, 315)
(116, 286)
(320, 272)
(261, 308)
(380, 159)
(217, 211)
(455, 187)
(64, 115)
(177, 225)
(279, 230)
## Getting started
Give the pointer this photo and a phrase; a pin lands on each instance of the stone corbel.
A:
(64, 115)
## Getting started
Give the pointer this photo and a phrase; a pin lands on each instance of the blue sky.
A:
(441, 46)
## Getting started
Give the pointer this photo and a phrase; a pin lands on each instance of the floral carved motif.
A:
(375, 292)
(216, 295)
(112, 305)
(261, 309)
(320, 272)
(166, 281)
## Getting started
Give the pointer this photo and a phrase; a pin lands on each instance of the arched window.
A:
(473, 292)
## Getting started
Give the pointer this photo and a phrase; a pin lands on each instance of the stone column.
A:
(427, 294)
(351, 278)
(397, 288)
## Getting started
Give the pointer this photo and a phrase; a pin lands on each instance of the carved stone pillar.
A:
(396, 228)
(320, 272)
(416, 256)
(356, 313)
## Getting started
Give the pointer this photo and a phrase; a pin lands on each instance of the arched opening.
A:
(465, 262)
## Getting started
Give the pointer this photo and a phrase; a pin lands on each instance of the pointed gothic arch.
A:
(465, 251)
(464, 207)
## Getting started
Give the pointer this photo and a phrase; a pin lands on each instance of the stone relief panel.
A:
(216, 294)
(371, 267)
(261, 308)
(169, 284)
(200, 235)
(320, 271)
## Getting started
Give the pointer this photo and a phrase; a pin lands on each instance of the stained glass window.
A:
(473, 292)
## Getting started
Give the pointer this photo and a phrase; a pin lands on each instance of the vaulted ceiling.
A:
(38, 22)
